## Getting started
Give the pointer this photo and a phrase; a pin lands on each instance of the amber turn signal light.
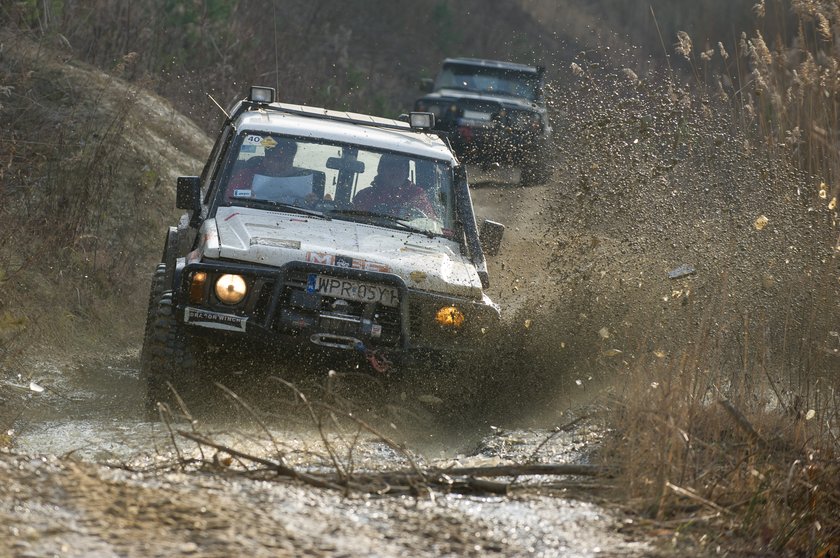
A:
(197, 282)
(450, 316)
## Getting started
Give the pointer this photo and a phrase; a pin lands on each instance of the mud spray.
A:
(668, 237)
(668, 230)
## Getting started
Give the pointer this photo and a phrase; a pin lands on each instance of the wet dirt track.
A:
(109, 483)
(80, 507)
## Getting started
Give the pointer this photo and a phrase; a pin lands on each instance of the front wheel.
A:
(167, 360)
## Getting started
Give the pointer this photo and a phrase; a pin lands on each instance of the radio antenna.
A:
(218, 105)
(276, 59)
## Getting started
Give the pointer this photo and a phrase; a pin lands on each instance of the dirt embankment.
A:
(88, 180)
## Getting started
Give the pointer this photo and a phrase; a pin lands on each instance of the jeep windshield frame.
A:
(489, 80)
(323, 178)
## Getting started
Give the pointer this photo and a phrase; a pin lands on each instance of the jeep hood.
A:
(506, 101)
(274, 238)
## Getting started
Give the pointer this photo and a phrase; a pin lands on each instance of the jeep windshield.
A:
(496, 81)
(339, 181)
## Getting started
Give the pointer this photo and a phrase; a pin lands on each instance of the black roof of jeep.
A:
(498, 64)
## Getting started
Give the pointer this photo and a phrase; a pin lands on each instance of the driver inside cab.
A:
(392, 192)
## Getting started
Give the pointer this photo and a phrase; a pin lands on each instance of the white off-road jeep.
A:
(283, 259)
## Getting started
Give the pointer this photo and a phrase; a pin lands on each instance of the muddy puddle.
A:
(91, 413)
(95, 413)
(90, 418)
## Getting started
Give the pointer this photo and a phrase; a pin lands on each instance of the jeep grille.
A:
(376, 324)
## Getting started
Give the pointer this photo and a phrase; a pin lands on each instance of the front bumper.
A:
(479, 142)
(282, 309)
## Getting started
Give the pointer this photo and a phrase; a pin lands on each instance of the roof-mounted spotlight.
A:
(262, 95)
(421, 120)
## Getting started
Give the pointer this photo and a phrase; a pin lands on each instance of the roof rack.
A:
(264, 98)
(495, 64)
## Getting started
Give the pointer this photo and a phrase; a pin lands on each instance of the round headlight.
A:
(231, 289)
(450, 316)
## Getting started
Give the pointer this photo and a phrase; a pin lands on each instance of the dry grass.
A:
(81, 190)
(334, 54)
(768, 475)
(727, 412)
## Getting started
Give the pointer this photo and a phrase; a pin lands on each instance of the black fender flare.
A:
(177, 245)
(170, 254)
(177, 272)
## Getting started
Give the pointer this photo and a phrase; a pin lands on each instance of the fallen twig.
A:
(274, 466)
(460, 479)
(523, 470)
(696, 497)
(482, 485)
(742, 422)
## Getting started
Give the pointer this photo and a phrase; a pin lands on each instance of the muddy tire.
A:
(167, 360)
(155, 292)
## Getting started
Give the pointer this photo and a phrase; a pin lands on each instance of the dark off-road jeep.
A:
(285, 259)
(493, 112)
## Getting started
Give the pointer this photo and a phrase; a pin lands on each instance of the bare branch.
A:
(696, 497)
(315, 419)
(278, 468)
(230, 393)
(743, 423)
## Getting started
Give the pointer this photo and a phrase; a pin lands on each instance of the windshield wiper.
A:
(362, 214)
(284, 207)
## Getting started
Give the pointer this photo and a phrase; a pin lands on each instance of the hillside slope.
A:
(88, 177)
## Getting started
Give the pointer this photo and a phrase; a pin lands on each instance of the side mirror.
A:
(188, 193)
(490, 237)
(427, 85)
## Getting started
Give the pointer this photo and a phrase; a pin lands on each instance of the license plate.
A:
(352, 290)
(476, 115)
